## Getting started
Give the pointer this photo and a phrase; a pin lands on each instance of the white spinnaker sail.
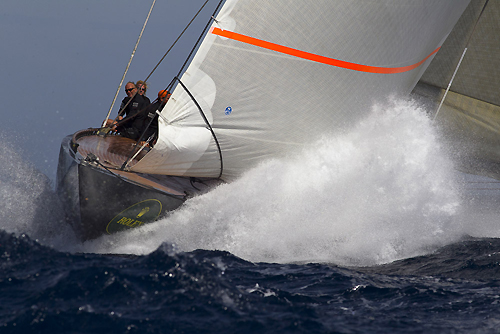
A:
(272, 76)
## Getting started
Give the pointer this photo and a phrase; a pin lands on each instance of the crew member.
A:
(151, 117)
(144, 124)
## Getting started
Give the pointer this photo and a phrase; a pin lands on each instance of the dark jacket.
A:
(150, 120)
(138, 103)
(145, 121)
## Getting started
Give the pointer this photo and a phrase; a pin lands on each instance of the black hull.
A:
(101, 201)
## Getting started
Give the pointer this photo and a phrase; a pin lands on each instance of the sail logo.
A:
(130, 222)
(137, 215)
(228, 111)
(143, 211)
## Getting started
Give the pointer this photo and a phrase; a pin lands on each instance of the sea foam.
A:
(384, 190)
(28, 203)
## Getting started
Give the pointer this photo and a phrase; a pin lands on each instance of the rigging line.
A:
(169, 87)
(460, 61)
(161, 60)
(208, 125)
(154, 69)
(147, 127)
(125, 165)
(132, 155)
(182, 33)
(134, 182)
(129, 62)
(200, 37)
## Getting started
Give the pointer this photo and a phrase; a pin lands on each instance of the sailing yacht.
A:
(268, 78)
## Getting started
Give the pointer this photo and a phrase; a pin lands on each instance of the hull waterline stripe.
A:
(316, 58)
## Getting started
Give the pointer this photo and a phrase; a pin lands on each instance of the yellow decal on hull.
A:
(137, 215)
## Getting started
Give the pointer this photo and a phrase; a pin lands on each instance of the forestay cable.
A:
(175, 42)
(129, 62)
(158, 64)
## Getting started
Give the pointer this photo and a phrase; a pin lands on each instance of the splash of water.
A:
(381, 192)
(28, 203)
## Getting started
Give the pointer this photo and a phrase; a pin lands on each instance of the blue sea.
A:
(371, 231)
(454, 290)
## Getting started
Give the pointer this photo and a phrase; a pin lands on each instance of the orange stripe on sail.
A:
(316, 58)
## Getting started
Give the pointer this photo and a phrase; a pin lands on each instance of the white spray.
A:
(383, 191)
(28, 203)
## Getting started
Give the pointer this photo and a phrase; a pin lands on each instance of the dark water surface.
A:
(325, 242)
(454, 290)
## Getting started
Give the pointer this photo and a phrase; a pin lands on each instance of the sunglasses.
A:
(129, 90)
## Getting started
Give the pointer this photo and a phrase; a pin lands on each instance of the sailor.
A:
(134, 101)
(151, 117)
(142, 87)
(131, 106)
(144, 124)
